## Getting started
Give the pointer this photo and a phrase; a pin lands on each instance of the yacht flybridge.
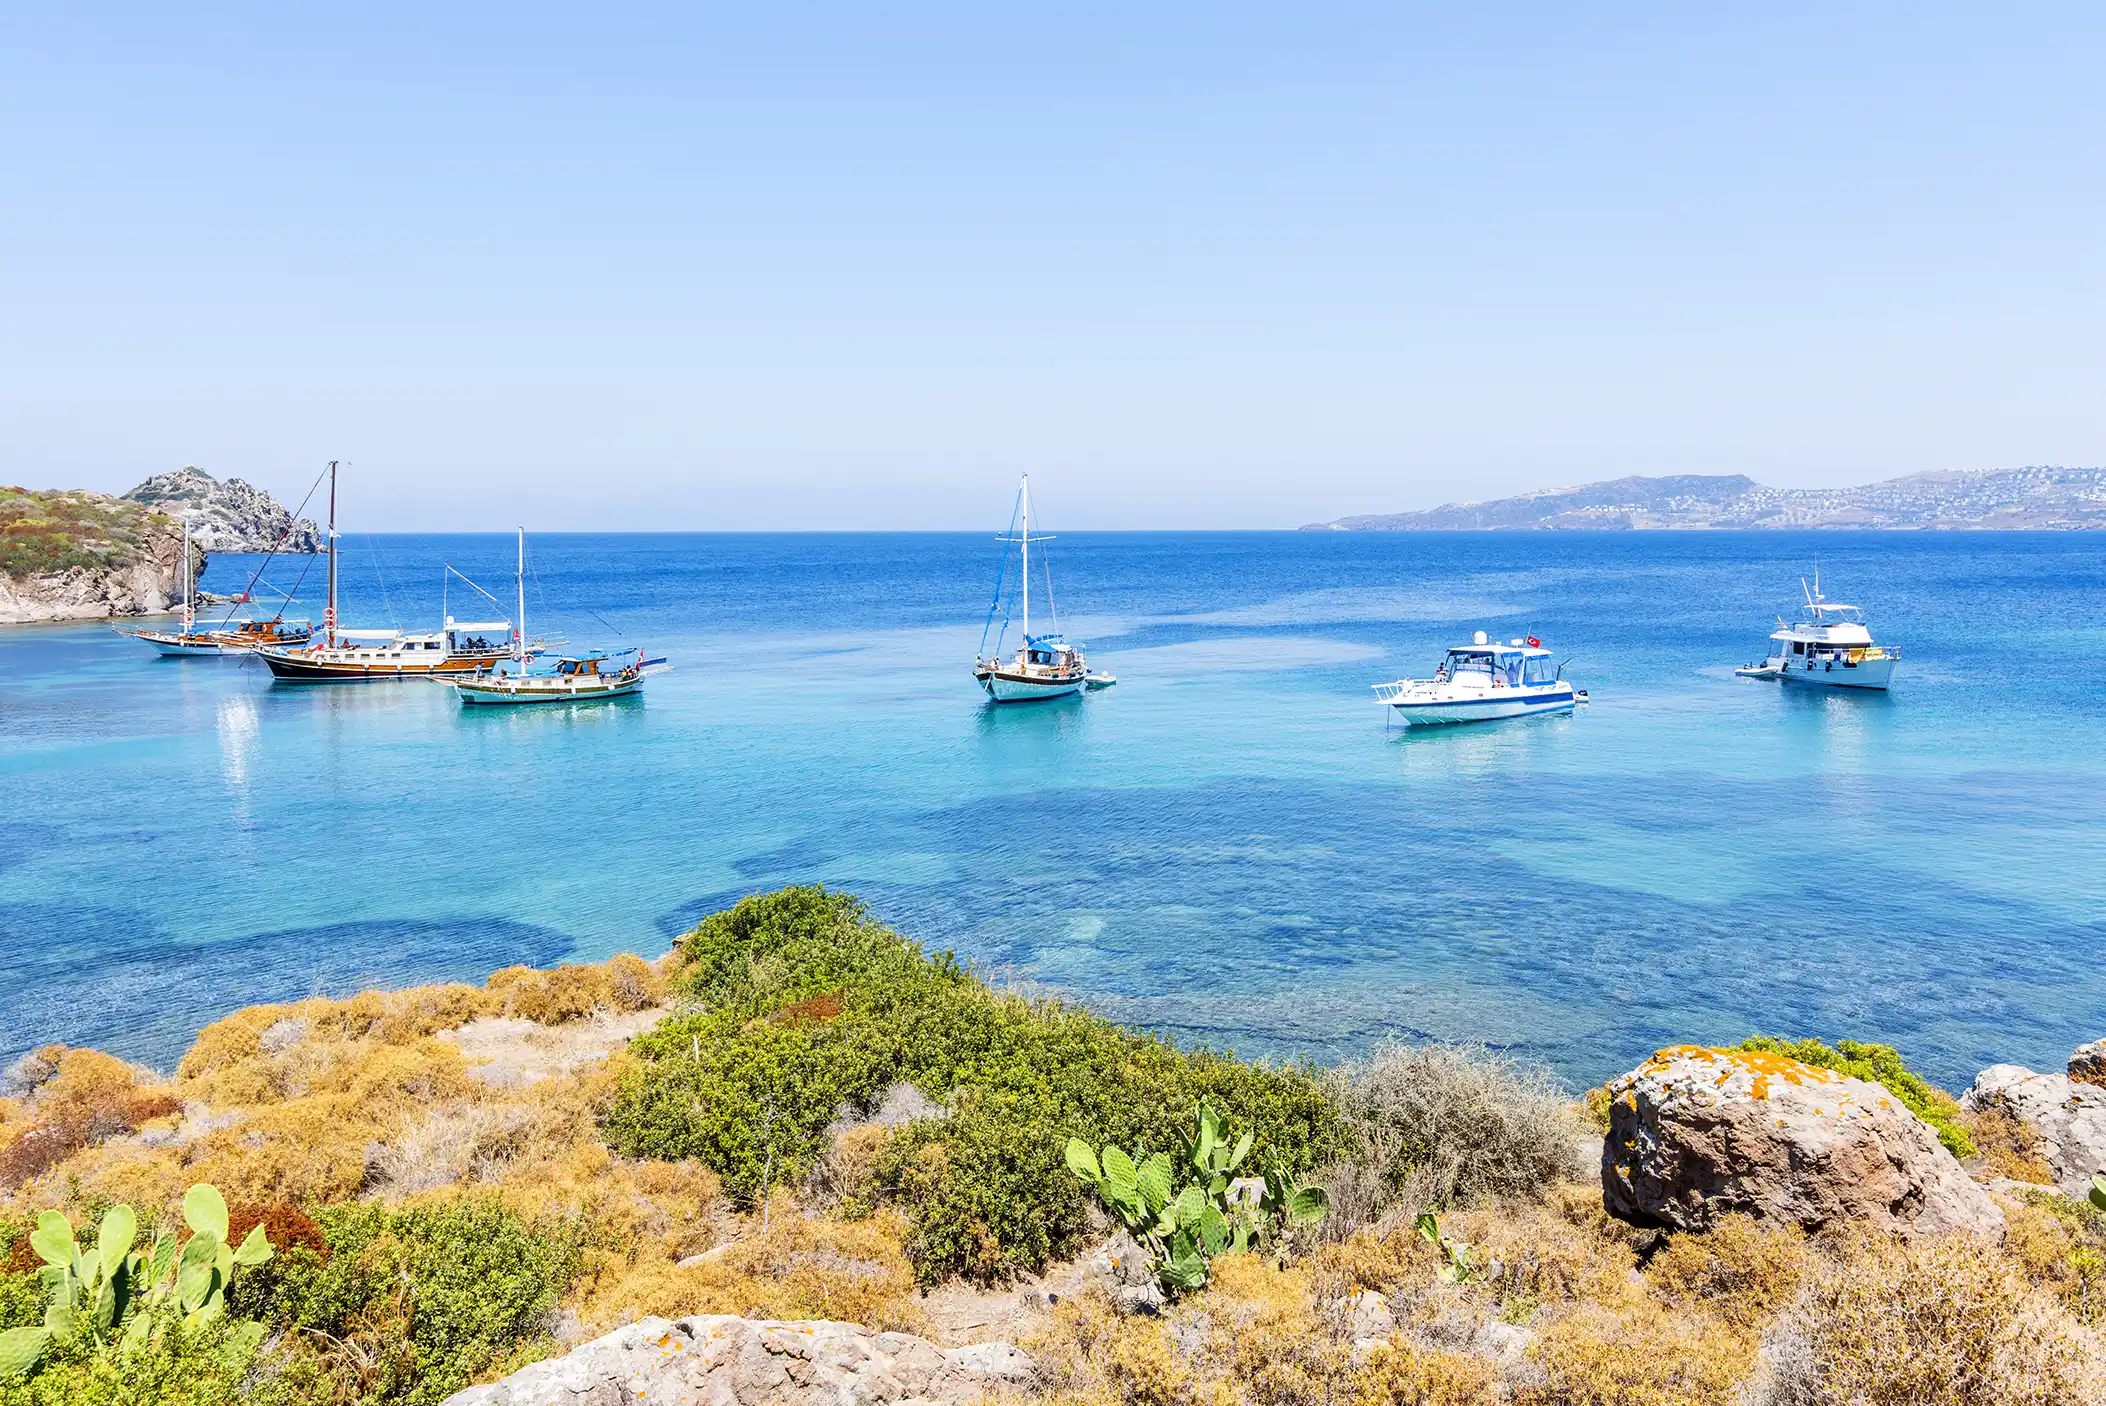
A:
(1481, 681)
(1044, 666)
(1829, 645)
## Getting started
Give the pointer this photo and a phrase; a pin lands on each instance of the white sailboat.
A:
(1044, 666)
(190, 639)
(576, 678)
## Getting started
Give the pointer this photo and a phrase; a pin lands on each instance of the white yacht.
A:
(1481, 681)
(1829, 645)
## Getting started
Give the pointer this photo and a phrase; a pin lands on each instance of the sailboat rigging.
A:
(575, 678)
(1044, 666)
(367, 656)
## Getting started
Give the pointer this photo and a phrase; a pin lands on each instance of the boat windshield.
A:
(1467, 661)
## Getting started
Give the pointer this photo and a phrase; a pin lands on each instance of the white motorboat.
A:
(1043, 666)
(1483, 681)
(1829, 646)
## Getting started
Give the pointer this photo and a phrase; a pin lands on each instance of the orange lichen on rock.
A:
(1764, 1068)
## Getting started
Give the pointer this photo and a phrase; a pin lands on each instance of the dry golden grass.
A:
(315, 1101)
(2008, 1147)
(2057, 1246)
(1945, 1320)
(1743, 1272)
(1637, 1354)
(1402, 1374)
(798, 1266)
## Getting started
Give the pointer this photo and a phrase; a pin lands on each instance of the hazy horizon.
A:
(823, 268)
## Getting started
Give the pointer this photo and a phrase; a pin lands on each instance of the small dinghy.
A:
(1100, 679)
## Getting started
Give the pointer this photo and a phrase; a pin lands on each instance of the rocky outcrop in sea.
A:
(227, 516)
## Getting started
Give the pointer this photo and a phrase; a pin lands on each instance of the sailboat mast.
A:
(522, 601)
(329, 614)
(189, 611)
(1026, 535)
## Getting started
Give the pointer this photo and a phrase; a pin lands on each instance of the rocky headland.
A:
(77, 555)
(2030, 498)
(229, 515)
(797, 1160)
(87, 556)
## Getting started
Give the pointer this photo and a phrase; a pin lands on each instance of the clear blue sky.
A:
(777, 265)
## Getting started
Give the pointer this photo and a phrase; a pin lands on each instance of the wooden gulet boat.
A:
(577, 678)
(372, 656)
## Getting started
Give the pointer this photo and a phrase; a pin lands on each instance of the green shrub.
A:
(412, 1304)
(210, 1365)
(809, 1007)
(1878, 1064)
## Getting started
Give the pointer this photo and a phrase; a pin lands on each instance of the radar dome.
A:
(1477, 638)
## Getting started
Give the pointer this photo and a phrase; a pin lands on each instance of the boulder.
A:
(2069, 1115)
(2087, 1063)
(1696, 1133)
(718, 1360)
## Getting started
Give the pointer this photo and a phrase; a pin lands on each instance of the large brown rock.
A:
(719, 1360)
(1696, 1133)
(2087, 1063)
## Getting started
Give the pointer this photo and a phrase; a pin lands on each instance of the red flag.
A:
(1534, 643)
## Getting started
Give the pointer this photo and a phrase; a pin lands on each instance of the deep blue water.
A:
(1228, 846)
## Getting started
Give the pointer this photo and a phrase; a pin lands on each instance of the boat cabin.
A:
(1514, 665)
(1048, 652)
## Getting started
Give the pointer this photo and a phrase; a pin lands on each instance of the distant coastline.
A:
(2036, 499)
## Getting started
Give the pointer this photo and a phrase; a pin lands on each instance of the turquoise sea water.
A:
(1228, 846)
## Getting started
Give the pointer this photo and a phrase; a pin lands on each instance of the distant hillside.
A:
(230, 516)
(1994, 498)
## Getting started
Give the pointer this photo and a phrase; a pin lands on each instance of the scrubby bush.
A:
(1879, 1064)
(809, 1008)
(210, 1365)
(1740, 1270)
(1442, 1125)
(1943, 1319)
(793, 1266)
(410, 1305)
